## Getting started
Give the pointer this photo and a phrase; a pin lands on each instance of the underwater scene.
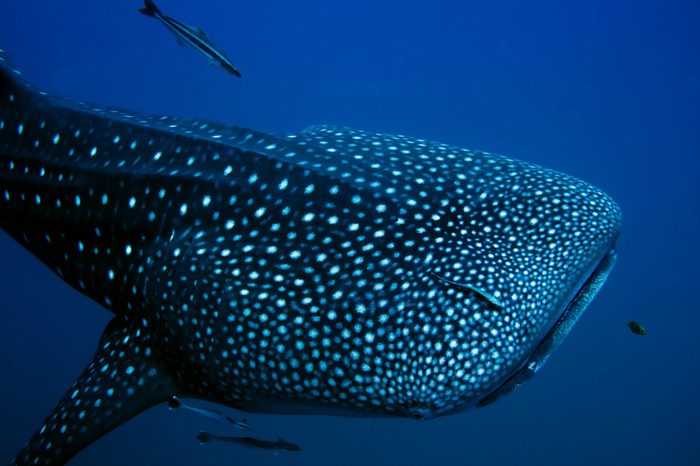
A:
(349, 233)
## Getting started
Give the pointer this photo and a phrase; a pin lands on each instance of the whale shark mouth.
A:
(558, 332)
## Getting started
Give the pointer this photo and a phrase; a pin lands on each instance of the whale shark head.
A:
(483, 264)
(333, 270)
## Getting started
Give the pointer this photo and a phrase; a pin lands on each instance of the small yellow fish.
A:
(636, 327)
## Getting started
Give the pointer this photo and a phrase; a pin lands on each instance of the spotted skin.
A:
(333, 271)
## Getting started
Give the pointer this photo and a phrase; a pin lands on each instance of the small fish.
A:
(277, 446)
(485, 295)
(175, 403)
(636, 328)
(191, 36)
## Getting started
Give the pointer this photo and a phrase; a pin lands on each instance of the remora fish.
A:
(292, 274)
(251, 442)
(215, 415)
(192, 37)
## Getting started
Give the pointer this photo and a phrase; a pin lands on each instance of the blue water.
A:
(607, 91)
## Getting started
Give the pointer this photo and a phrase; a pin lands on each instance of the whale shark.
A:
(332, 271)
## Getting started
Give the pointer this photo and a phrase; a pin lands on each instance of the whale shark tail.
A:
(150, 8)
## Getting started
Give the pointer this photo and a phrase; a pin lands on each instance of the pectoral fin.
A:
(124, 378)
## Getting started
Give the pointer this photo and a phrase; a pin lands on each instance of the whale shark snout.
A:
(518, 261)
(581, 240)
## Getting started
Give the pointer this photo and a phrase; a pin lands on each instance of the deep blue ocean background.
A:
(607, 91)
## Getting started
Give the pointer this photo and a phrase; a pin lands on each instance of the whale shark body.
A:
(332, 271)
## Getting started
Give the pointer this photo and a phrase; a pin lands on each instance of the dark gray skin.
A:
(251, 442)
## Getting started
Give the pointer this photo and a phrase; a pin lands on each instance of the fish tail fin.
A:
(151, 9)
(124, 378)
